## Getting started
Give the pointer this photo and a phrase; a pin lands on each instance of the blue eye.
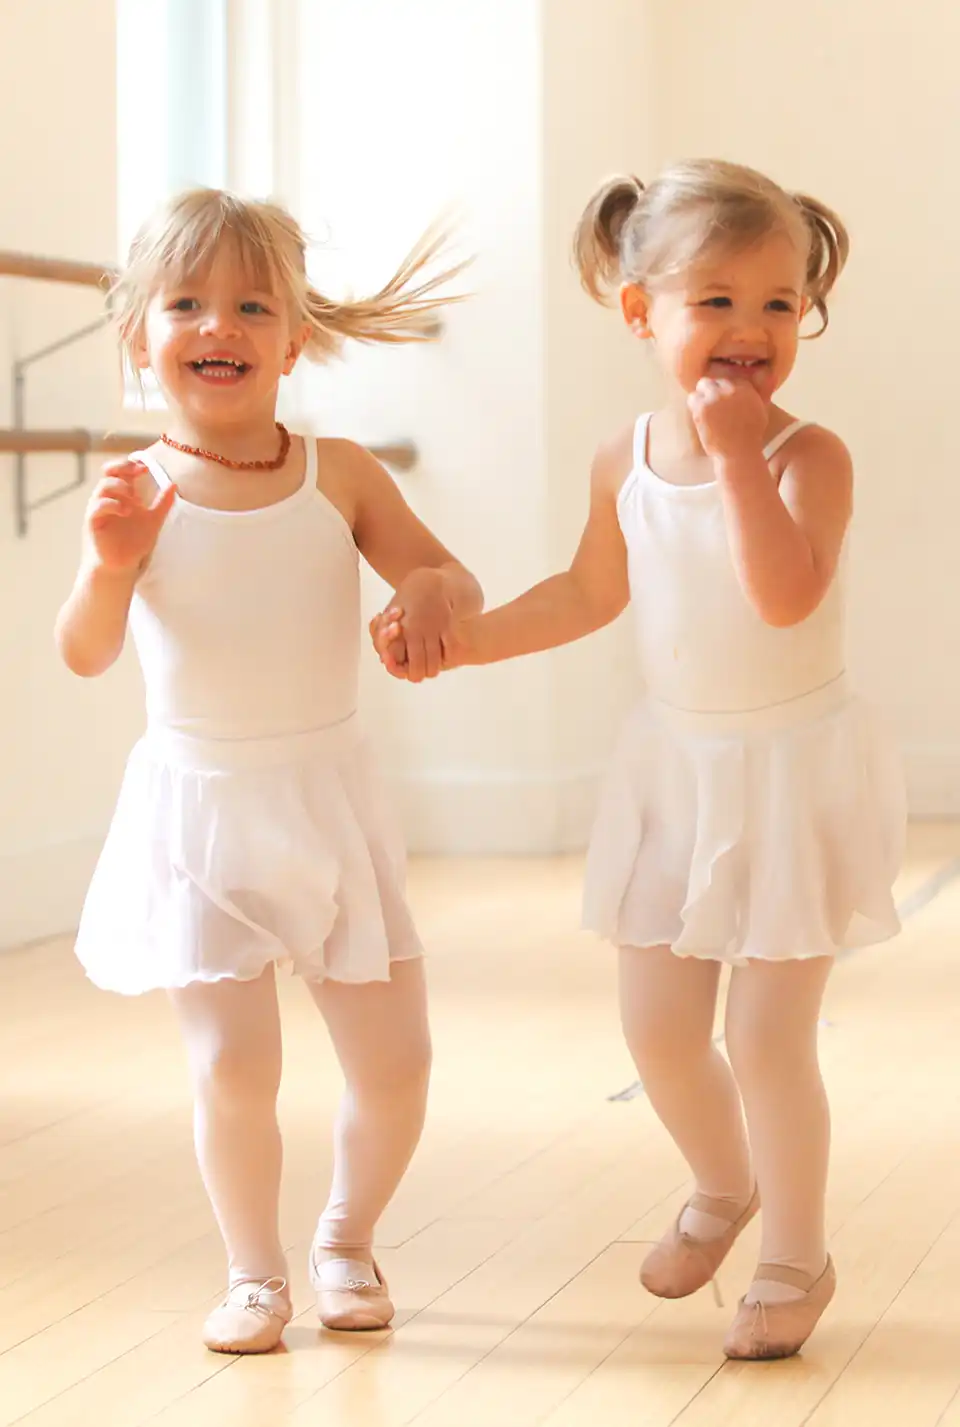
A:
(780, 306)
(184, 304)
(717, 302)
(253, 309)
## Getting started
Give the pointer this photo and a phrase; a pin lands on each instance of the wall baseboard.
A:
(42, 891)
(933, 781)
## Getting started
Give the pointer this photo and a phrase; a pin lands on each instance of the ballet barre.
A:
(22, 442)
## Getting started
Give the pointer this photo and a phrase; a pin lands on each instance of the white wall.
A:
(62, 742)
(512, 109)
(860, 105)
(517, 107)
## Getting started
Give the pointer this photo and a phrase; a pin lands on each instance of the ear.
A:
(635, 306)
(295, 348)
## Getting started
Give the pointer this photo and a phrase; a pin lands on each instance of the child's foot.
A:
(684, 1261)
(251, 1319)
(352, 1294)
(769, 1326)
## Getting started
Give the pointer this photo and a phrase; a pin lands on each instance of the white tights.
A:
(232, 1033)
(668, 1006)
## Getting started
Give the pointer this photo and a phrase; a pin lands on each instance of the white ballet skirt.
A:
(251, 827)
(755, 807)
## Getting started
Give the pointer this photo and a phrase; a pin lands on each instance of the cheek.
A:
(161, 342)
(692, 338)
(788, 342)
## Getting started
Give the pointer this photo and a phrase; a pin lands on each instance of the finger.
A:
(120, 490)
(393, 657)
(416, 661)
(106, 510)
(383, 643)
(433, 658)
(123, 470)
(395, 661)
(763, 382)
(386, 634)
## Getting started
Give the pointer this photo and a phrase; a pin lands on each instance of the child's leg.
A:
(667, 1007)
(382, 1039)
(772, 1019)
(232, 1034)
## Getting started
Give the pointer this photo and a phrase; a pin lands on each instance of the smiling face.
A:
(733, 315)
(218, 340)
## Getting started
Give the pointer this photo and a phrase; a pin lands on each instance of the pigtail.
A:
(404, 310)
(597, 241)
(829, 250)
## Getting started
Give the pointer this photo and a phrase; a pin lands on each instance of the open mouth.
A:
(220, 369)
(742, 364)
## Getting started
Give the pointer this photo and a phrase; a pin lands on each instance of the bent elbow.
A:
(786, 612)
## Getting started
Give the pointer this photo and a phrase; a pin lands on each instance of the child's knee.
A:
(230, 1073)
(400, 1073)
(660, 1044)
(769, 1050)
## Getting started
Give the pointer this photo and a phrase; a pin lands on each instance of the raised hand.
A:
(122, 527)
(730, 416)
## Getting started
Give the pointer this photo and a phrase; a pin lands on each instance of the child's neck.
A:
(678, 431)
(253, 440)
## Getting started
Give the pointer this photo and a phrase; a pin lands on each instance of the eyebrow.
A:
(725, 287)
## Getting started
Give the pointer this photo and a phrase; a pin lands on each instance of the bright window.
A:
(172, 120)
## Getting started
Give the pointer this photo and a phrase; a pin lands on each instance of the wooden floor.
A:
(514, 1245)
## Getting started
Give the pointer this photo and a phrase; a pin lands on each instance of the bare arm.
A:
(565, 607)
(120, 531)
(786, 539)
(432, 589)
(397, 544)
(92, 625)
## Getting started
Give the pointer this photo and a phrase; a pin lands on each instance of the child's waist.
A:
(767, 718)
(203, 754)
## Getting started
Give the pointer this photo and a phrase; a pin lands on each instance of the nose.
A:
(751, 326)
(220, 322)
(748, 332)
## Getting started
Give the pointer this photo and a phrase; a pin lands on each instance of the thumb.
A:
(764, 384)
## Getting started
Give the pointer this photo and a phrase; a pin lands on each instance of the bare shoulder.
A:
(815, 449)
(816, 478)
(345, 473)
(612, 463)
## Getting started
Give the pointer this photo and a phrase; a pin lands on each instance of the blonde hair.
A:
(182, 237)
(633, 233)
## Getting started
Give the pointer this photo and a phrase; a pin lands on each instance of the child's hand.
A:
(731, 417)
(121, 527)
(426, 615)
(386, 631)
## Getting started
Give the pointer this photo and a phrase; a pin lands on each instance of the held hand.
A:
(387, 632)
(122, 528)
(730, 417)
(427, 619)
